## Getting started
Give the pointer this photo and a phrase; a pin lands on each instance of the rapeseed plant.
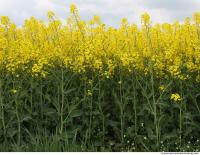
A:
(89, 84)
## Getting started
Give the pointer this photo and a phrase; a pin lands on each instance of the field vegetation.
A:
(84, 86)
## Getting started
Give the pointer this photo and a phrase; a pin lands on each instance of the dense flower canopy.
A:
(168, 50)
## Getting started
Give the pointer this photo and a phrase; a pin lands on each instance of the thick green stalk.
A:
(2, 109)
(18, 123)
(41, 101)
(101, 109)
(91, 108)
(121, 110)
(180, 116)
(62, 102)
(31, 96)
(152, 85)
(135, 105)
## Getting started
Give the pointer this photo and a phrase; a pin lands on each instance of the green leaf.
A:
(76, 113)
(26, 118)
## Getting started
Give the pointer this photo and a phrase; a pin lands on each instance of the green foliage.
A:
(70, 111)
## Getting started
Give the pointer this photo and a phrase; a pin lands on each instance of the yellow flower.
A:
(14, 91)
(50, 15)
(196, 17)
(5, 20)
(175, 97)
(73, 8)
(97, 19)
(162, 88)
(145, 18)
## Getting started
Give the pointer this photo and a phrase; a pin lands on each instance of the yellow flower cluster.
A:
(167, 50)
(175, 97)
(162, 88)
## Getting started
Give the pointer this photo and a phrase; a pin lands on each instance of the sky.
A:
(110, 11)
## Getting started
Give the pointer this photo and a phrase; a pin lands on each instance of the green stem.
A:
(18, 123)
(101, 109)
(152, 86)
(91, 107)
(135, 106)
(180, 117)
(62, 102)
(2, 110)
(155, 111)
(31, 93)
(41, 101)
(180, 124)
(121, 111)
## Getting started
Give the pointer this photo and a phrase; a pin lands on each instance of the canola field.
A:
(85, 86)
